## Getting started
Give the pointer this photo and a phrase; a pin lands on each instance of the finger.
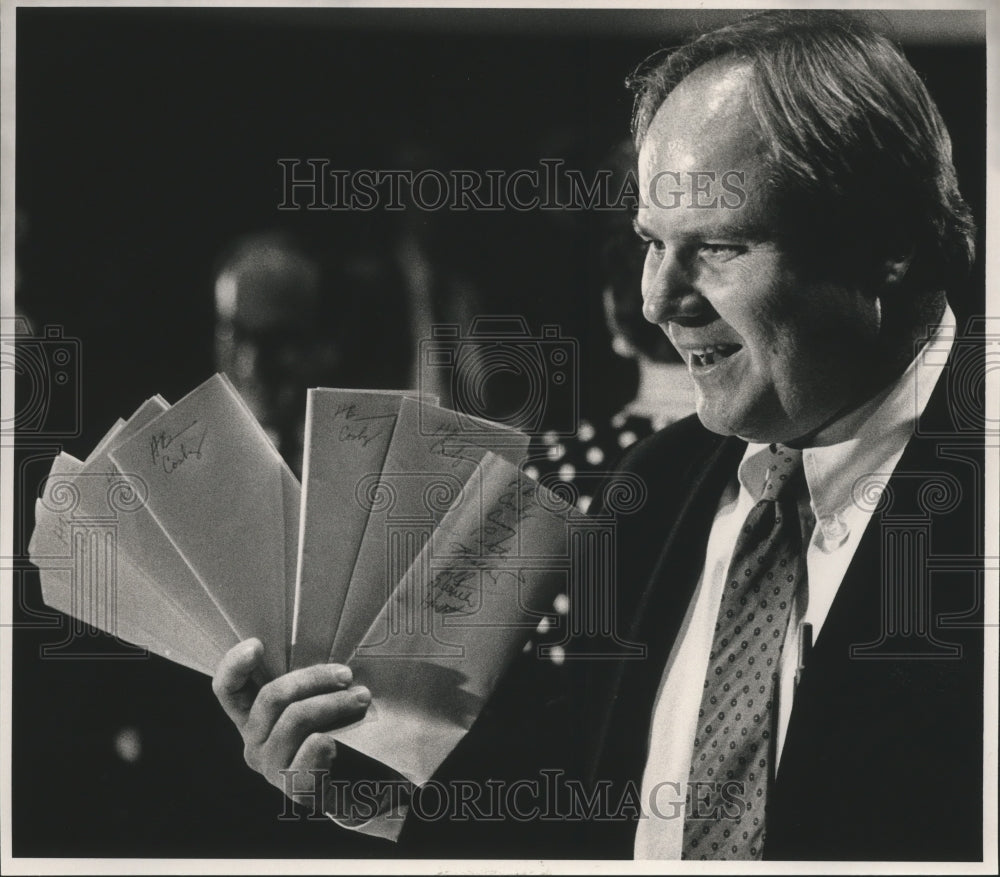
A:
(232, 683)
(275, 697)
(321, 713)
(316, 753)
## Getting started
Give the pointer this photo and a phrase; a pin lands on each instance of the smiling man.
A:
(803, 687)
(805, 314)
(764, 341)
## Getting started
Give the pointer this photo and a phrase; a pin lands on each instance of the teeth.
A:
(707, 355)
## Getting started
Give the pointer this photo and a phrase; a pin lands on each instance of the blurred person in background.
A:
(288, 319)
(664, 391)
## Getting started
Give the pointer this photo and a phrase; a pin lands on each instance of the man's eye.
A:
(655, 246)
(720, 252)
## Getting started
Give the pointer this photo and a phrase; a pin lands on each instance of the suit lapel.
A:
(878, 698)
(681, 526)
(855, 615)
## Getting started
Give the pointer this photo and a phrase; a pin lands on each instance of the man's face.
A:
(774, 356)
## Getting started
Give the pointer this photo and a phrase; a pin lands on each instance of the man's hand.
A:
(285, 725)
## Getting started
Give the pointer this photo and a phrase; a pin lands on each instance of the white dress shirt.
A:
(845, 472)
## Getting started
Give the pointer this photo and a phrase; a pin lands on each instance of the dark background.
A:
(146, 141)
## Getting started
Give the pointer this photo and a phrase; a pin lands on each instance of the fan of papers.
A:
(415, 550)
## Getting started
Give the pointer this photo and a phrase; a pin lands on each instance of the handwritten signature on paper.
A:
(61, 530)
(454, 590)
(172, 451)
(360, 429)
(450, 443)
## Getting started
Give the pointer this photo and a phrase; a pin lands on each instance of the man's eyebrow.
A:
(736, 226)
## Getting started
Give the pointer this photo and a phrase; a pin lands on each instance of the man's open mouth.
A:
(712, 354)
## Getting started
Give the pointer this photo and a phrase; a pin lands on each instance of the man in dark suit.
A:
(800, 312)
(798, 659)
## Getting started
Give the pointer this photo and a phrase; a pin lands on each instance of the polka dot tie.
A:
(733, 745)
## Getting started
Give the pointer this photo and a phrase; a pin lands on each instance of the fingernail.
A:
(363, 695)
(343, 675)
(250, 648)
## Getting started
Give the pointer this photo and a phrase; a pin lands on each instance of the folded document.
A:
(415, 549)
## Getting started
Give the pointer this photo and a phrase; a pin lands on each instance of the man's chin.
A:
(714, 420)
(711, 426)
(744, 428)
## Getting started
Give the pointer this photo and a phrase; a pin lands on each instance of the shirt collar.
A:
(877, 432)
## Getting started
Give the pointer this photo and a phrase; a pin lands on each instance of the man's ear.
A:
(890, 270)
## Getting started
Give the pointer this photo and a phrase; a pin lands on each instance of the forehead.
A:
(705, 126)
(705, 123)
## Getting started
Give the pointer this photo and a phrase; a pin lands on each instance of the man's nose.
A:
(668, 290)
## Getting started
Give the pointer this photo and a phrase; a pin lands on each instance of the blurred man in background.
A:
(288, 319)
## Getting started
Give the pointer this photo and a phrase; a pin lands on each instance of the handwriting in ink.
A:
(172, 451)
(360, 429)
(513, 507)
(452, 592)
(518, 577)
(450, 444)
(62, 532)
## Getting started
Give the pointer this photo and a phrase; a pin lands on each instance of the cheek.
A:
(754, 298)
(649, 265)
(815, 357)
(795, 322)
(784, 348)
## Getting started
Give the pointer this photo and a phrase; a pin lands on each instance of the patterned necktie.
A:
(733, 745)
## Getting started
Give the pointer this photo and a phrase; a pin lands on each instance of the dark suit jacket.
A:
(883, 755)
